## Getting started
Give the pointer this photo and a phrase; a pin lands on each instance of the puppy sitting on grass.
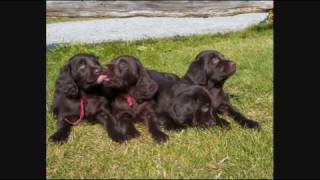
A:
(78, 95)
(135, 91)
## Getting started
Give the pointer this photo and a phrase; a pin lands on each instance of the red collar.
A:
(81, 115)
(129, 100)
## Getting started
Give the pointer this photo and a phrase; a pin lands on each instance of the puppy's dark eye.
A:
(82, 67)
(215, 61)
(205, 108)
(122, 66)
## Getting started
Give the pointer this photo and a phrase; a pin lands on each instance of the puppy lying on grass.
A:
(211, 69)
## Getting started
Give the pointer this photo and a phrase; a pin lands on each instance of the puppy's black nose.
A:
(232, 65)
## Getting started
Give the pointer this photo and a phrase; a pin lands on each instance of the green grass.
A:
(192, 153)
(67, 19)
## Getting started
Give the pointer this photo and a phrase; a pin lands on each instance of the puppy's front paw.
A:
(223, 124)
(134, 134)
(176, 128)
(57, 138)
(252, 124)
(160, 137)
(119, 138)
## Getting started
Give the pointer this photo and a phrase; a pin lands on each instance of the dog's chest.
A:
(122, 104)
(92, 106)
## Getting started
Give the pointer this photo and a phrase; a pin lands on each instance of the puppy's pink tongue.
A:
(101, 78)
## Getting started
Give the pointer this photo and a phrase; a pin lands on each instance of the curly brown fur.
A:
(78, 80)
(128, 76)
(211, 69)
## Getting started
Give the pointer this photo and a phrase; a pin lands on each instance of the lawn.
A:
(51, 20)
(192, 153)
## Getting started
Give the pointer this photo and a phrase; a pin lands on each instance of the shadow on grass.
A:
(51, 46)
(263, 25)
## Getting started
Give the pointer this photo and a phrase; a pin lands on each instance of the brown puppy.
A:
(78, 93)
(211, 69)
(134, 98)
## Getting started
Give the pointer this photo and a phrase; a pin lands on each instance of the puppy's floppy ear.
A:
(65, 82)
(196, 72)
(145, 88)
(179, 111)
(175, 112)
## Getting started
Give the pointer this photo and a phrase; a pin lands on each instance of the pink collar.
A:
(81, 115)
